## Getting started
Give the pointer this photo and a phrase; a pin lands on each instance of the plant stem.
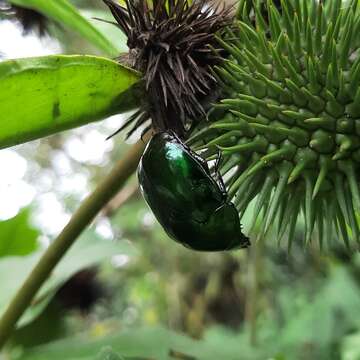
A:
(126, 194)
(254, 273)
(89, 208)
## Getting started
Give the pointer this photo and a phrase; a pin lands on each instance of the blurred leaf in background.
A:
(108, 354)
(88, 251)
(161, 301)
(64, 13)
(17, 236)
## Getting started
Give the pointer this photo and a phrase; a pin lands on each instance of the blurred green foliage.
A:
(64, 13)
(87, 252)
(307, 302)
(164, 301)
(108, 354)
(17, 236)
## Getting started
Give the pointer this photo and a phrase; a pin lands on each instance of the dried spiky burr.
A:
(171, 43)
(289, 125)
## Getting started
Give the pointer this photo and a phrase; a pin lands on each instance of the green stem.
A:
(252, 300)
(79, 221)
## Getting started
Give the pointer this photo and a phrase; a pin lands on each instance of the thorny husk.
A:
(289, 125)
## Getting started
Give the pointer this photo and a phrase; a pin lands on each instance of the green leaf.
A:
(88, 251)
(113, 33)
(108, 354)
(45, 95)
(350, 347)
(145, 343)
(63, 12)
(17, 236)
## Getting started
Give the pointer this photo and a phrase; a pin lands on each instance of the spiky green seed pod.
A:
(290, 117)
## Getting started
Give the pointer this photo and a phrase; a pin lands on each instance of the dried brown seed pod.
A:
(171, 42)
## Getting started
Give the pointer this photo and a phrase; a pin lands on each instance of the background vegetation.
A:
(125, 291)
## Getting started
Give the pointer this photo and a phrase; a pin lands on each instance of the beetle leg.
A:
(218, 161)
(201, 160)
(221, 184)
(217, 176)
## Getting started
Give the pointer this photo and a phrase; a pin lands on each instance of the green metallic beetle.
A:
(186, 200)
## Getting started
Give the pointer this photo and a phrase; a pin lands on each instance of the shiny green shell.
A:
(188, 203)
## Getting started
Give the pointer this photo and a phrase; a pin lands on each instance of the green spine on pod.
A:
(289, 121)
